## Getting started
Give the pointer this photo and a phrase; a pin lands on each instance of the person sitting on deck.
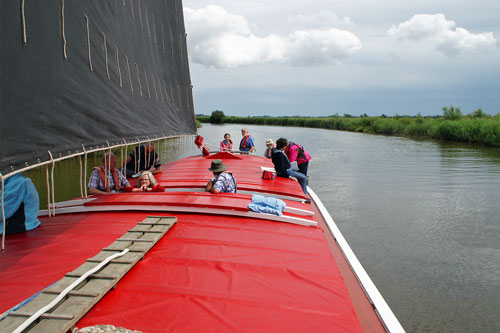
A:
(102, 181)
(146, 183)
(223, 182)
(269, 148)
(227, 143)
(246, 144)
(142, 158)
(283, 167)
(20, 205)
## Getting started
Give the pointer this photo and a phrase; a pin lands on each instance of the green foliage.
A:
(198, 124)
(217, 117)
(478, 114)
(478, 127)
(452, 113)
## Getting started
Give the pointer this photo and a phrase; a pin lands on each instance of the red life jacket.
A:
(243, 142)
(103, 179)
(198, 140)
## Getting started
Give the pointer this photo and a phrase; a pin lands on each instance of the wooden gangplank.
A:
(63, 316)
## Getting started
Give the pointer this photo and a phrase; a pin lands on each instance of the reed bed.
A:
(483, 129)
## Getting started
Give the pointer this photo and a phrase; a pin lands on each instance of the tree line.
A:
(476, 127)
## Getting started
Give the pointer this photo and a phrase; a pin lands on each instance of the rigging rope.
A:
(62, 29)
(88, 42)
(118, 66)
(85, 170)
(23, 22)
(81, 185)
(52, 190)
(3, 216)
(105, 54)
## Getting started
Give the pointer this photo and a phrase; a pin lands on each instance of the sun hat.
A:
(269, 142)
(217, 166)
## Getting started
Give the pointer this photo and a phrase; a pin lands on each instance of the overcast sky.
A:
(321, 57)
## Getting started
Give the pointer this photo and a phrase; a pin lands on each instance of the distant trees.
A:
(217, 117)
(452, 113)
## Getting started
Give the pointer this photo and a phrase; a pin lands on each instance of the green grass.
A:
(483, 130)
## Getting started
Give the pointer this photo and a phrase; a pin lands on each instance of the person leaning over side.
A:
(223, 182)
(116, 181)
(246, 144)
(227, 143)
(146, 183)
(143, 158)
(295, 152)
(283, 167)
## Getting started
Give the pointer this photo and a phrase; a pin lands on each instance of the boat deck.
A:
(224, 270)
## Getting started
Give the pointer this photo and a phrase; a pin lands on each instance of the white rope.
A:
(81, 182)
(105, 54)
(62, 158)
(138, 78)
(154, 86)
(23, 22)
(147, 22)
(161, 91)
(179, 94)
(129, 76)
(162, 35)
(140, 12)
(52, 190)
(3, 215)
(48, 190)
(107, 170)
(62, 29)
(132, 9)
(147, 82)
(88, 42)
(49, 306)
(118, 66)
(85, 170)
(124, 161)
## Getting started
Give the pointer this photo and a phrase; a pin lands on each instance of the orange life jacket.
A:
(103, 179)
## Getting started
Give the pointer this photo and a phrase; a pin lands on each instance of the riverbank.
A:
(483, 130)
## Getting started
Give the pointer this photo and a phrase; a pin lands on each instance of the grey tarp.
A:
(51, 103)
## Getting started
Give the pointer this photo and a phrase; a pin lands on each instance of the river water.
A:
(422, 216)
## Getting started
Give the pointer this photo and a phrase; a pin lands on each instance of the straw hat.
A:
(269, 142)
(217, 166)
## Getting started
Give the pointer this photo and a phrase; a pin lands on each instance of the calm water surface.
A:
(423, 217)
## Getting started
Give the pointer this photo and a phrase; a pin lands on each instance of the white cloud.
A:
(443, 34)
(220, 39)
(323, 19)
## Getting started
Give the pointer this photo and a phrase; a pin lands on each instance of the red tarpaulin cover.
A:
(208, 273)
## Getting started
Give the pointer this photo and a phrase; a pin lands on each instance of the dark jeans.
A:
(300, 177)
(15, 223)
(303, 168)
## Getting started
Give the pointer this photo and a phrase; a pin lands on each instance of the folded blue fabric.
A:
(262, 204)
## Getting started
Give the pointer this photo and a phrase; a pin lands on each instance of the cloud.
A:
(443, 34)
(320, 19)
(221, 39)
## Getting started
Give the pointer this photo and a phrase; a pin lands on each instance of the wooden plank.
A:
(80, 300)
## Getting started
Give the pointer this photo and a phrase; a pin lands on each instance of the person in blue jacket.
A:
(21, 205)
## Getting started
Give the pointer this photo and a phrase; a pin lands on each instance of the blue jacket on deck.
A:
(20, 190)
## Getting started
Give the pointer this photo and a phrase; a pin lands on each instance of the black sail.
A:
(90, 72)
